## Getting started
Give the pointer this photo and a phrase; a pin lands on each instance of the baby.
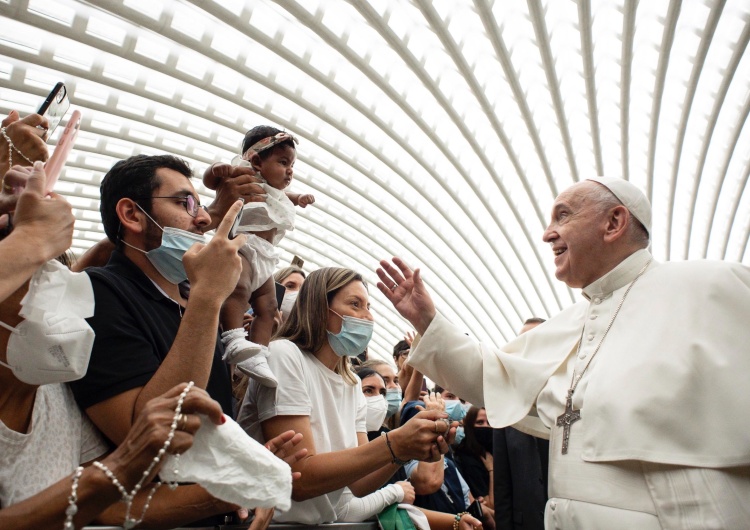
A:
(271, 153)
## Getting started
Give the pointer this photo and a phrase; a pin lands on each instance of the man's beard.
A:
(152, 236)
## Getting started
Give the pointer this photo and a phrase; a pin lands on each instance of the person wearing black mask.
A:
(473, 455)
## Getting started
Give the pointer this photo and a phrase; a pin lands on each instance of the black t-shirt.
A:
(135, 326)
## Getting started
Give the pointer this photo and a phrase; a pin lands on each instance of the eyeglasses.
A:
(402, 353)
(192, 205)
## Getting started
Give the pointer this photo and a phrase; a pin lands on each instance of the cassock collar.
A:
(618, 277)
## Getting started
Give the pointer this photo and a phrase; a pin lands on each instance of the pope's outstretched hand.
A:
(406, 291)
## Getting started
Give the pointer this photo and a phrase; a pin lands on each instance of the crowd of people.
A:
(116, 362)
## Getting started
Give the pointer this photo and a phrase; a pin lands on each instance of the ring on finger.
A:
(436, 429)
(181, 422)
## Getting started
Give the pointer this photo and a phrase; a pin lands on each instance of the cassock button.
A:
(597, 301)
(593, 317)
(552, 505)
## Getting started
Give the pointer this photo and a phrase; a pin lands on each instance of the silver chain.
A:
(11, 148)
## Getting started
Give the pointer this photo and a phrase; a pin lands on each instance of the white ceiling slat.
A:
(437, 130)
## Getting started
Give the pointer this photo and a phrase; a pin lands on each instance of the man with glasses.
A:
(149, 335)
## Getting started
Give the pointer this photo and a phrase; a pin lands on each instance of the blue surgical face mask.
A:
(167, 257)
(459, 435)
(454, 410)
(393, 397)
(353, 338)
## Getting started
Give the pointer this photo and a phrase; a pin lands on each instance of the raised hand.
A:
(214, 269)
(45, 222)
(406, 291)
(434, 401)
(27, 138)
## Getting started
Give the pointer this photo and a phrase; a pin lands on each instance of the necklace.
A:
(571, 415)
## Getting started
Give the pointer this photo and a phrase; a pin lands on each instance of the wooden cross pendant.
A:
(566, 419)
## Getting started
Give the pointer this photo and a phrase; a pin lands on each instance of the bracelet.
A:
(395, 460)
(72, 508)
(457, 520)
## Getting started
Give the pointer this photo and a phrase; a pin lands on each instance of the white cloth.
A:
(668, 386)
(60, 438)
(262, 258)
(232, 467)
(337, 412)
(276, 212)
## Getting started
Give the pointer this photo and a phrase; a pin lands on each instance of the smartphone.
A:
(280, 291)
(56, 162)
(55, 107)
(475, 510)
(235, 225)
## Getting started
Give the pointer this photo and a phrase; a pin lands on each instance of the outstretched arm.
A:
(299, 199)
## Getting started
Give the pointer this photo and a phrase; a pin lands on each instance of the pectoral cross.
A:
(566, 419)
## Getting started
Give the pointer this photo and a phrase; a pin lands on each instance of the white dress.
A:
(277, 212)
(666, 403)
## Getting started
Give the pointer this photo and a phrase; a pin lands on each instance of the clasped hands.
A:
(427, 436)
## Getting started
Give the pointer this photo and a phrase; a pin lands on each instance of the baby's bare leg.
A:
(265, 308)
(237, 304)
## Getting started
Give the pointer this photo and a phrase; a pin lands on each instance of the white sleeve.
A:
(290, 397)
(353, 509)
(93, 444)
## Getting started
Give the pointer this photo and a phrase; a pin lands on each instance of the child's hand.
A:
(217, 172)
(408, 491)
(306, 199)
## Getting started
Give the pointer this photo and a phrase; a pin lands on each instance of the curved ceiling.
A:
(440, 131)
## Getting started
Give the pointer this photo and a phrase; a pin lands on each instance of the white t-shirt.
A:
(60, 438)
(337, 412)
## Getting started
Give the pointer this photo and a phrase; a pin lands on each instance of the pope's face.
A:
(576, 234)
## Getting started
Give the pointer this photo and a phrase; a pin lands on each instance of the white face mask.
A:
(288, 303)
(55, 350)
(377, 407)
(53, 344)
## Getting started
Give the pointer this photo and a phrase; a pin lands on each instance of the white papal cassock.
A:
(664, 435)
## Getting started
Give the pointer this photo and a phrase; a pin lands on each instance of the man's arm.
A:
(213, 270)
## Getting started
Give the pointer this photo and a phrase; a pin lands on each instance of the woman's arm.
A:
(95, 491)
(47, 508)
(374, 480)
(444, 521)
(327, 472)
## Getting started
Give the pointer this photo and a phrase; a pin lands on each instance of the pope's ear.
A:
(618, 220)
(131, 216)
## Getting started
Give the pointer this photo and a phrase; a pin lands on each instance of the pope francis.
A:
(642, 388)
